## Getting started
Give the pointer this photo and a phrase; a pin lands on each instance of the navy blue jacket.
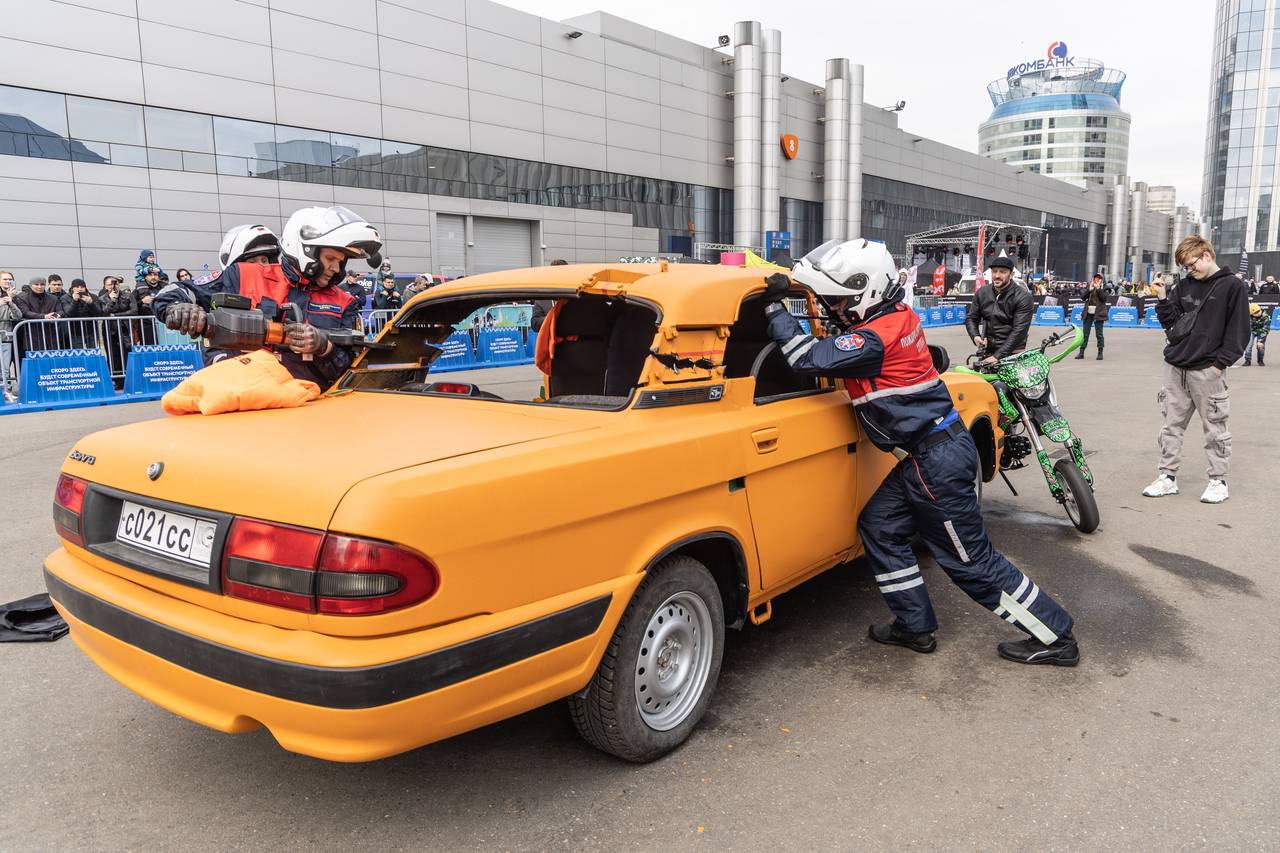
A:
(885, 362)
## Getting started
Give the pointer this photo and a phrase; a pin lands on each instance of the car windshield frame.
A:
(490, 298)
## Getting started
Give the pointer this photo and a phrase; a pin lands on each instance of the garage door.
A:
(502, 244)
(451, 244)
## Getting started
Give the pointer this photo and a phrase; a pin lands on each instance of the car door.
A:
(801, 476)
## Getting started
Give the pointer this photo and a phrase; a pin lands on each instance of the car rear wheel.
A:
(660, 670)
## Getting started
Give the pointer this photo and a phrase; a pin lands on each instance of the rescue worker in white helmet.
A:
(904, 407)
(306, 271)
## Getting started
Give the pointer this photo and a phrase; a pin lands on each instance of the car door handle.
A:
(766, 440)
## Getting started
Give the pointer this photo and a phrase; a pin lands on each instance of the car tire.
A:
(661, 667)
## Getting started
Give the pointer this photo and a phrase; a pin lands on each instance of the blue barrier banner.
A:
(935, 316)
(949, 314)
(1077, 314)
(1049, 315)
(962, 313)
(1275, 320)
(156, 369)
(1149, 317)
(500, 346)
(58, 376)
(923, 314)
(530, 342)
(1122, 316)
(457, 352)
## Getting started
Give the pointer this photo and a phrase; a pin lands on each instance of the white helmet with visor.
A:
(314, 228)
(859, 272)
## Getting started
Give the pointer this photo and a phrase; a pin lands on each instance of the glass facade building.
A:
(1059, 117)
(1244, 117)
(514, 145)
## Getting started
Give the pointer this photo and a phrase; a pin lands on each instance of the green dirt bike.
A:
(1028, 411)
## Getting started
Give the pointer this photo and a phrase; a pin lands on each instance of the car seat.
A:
(582, 329)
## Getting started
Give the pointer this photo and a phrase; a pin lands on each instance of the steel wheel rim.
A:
(674, 661)
(1069, 500)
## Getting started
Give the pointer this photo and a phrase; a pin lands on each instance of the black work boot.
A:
(1080, 353)
(1062, 652)
(894, 635)
(1099, 353)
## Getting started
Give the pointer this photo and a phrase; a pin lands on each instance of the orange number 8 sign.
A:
(790, 145)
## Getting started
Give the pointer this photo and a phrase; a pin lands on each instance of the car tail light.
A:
(313, 572)
(68, 503)
(271, 563)
(362, 576)
(453, 388)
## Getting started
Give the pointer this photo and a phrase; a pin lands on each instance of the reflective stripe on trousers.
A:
(932, 493)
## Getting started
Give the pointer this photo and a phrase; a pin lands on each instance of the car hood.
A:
(294, 465)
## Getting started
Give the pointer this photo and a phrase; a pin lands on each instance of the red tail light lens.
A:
(312, 572)
(452, 388)
(68, 504)
(271, 563)
(362, 576)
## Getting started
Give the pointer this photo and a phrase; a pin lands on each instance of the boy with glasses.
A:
(1206, 321)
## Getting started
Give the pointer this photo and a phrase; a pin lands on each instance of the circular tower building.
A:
(1059, 116)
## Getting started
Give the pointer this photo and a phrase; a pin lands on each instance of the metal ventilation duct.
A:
(1137, 219)
(1118, 242)
(853, 223)
(746, 133)
(835, 155)
(771, 130)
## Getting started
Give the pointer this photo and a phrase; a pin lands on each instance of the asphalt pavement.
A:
(1164, 737)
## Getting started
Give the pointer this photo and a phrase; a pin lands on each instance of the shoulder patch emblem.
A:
(850, 342)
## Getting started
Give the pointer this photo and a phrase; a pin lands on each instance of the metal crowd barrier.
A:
(112, 336)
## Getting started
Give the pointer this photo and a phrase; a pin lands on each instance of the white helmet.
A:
(857, 270)
(247, 241)
(314, 228)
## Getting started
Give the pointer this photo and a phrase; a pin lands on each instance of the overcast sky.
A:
(939, 57)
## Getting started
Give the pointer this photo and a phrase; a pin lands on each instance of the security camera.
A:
(723, 40)
(574, 35)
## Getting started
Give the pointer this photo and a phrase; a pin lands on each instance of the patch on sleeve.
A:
(850, 342)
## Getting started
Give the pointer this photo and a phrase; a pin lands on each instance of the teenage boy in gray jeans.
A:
(1206, 319)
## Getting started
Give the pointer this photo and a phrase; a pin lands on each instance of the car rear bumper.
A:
(356, 713)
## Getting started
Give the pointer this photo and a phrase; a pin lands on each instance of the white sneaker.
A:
(1215, 492)
(1163, 486)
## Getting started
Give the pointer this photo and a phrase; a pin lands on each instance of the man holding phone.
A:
(1206, 321)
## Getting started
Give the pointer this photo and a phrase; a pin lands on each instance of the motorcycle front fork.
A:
(1046, 466)
(1074, 445)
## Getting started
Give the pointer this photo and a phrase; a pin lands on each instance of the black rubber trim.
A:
(346, 688)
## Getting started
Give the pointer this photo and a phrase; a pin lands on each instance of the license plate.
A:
(172, 534)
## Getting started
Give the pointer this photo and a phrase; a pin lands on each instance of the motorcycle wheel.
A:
(1078, 499)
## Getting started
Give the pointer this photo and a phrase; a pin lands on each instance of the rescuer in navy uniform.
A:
(904, 408)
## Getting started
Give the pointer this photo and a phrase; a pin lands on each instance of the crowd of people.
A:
(47, 297)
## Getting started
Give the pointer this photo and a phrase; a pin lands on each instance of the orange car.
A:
(489, 555)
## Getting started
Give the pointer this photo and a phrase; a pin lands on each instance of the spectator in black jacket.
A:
(37, 304)
(1094, 315)
(79, 307)
(144, 332)
(1206, 321)
(57, 333)
(1001, 315)
(114, 301)
(387, 299)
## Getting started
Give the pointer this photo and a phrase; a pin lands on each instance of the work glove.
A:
(779, 285)
(186, 318)
(306, 339)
